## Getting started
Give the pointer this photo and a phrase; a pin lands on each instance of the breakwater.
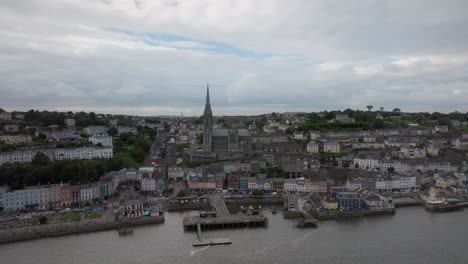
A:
(44, 231)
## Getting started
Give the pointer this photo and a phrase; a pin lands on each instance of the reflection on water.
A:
(412, 235)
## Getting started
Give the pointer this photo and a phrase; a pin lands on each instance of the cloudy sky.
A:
(155, 57)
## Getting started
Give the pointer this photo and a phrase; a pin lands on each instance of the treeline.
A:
(46, 118)
(129, 152)
(19, 175)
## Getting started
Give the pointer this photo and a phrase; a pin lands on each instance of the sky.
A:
(155, 57)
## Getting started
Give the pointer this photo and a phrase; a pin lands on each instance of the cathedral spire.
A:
(207, 95)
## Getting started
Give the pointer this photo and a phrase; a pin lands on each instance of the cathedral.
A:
(221, 139)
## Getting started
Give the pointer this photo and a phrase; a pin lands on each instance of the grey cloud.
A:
(326, 55)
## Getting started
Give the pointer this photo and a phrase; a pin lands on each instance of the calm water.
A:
(412, 235)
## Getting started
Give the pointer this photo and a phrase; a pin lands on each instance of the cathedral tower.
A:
(208, 123)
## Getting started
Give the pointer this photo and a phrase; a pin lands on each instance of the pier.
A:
(223, 219)
(223, 222)
(201, 241)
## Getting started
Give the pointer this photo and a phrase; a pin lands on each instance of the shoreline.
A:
(38, 232)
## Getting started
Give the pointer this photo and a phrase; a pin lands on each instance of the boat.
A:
(242, 208)
(273, 210)
(251, 207)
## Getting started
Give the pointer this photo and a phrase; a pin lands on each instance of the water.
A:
(412, 235)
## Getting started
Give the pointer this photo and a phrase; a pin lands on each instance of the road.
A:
(217, 201)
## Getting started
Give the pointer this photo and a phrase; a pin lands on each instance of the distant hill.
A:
(2, 111)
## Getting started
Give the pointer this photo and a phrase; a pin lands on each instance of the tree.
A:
(200, 138)
(112, 131)
(40, 159)
(42, 220)
(183, 193)
(258, 192)
(378, 124)
(369, 107)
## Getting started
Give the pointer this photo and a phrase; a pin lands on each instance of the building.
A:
(374, 201)
(331, 147)
(293, 168)
(11, 128)
(344, 118)
(298, 135)
(16, 139)
(104, 140)
(412, 153)
(95, 130)
(175, 173)
(126, 129)
(69, 122)
(312, 147)
(223, 140)
(4, 116)
(25, 156)
(349, 201)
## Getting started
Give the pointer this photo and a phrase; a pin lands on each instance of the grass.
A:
(69, 218)
(93, 216)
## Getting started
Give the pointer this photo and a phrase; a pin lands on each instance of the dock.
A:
(212, 242)
(223, 222)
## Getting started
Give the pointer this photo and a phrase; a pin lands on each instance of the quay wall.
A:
(44, 231)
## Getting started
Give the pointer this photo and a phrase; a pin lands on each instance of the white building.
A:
(104, 140)
(70, 122)
(84, 153)
(412, 153)
(298, 135)
(312, 147)
(16, 139)
(366, 164)
(25, 156)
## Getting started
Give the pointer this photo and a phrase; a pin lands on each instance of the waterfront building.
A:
(349, 201)
(290, 186)
(278, 185)
(244, 184)
(233, 182)
(374, 201)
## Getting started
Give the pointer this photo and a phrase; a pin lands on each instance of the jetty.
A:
(223, 222)
(201, 241)
(223, 219)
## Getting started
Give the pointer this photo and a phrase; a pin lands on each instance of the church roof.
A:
(223, 132)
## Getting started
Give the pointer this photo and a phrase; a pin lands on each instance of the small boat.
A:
(242, 208)
(273, 210)
(251, 207)
(259, 207)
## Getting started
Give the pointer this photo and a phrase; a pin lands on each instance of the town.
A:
(70, 172)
